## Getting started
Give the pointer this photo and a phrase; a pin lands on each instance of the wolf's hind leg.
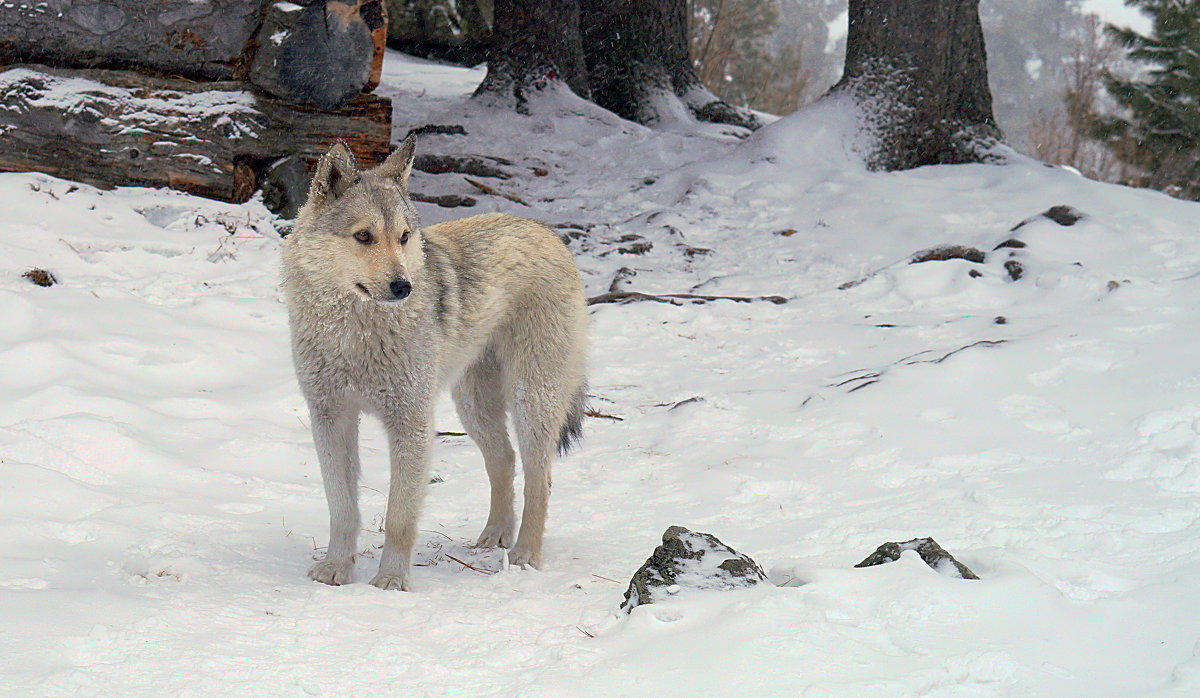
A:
(483, 410)
(539, 423)
(335, 434)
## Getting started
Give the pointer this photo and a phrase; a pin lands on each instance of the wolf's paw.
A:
(332, 572)
(397, 582)
(523, 556)
(496, 535)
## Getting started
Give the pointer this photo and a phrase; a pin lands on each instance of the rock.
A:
(1064, 215)
(690, 560)
(932, 553)
(443, 200)
(318, 53)
(1014, 269)
(475, 165)
(437, 130)
(285, 186)
(945, 252)
(1011, 242)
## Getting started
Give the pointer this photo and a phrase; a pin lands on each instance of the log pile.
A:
(207, 97)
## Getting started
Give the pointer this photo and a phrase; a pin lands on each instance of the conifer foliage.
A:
(1160, 135)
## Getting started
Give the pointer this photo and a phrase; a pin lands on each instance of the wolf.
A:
(385, 313)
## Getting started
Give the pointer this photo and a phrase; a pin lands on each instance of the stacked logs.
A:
(211, 98)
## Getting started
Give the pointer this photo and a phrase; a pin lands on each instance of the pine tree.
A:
(1161, 136)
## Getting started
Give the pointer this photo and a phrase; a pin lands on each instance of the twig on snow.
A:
(469, 566)
(675, 298)
(495, 192)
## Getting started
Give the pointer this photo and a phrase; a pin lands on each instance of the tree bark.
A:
(535, 43)
(318, 52)
(198, 40)
(638, 63)
(918, 71)
(109, 128)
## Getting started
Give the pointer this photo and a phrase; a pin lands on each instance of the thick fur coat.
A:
(384, 314)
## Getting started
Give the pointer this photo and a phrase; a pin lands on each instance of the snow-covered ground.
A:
(160, 499)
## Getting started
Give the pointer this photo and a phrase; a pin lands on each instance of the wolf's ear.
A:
(336, 172)
(399, 164)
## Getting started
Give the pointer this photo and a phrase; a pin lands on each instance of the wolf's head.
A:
(358, 231)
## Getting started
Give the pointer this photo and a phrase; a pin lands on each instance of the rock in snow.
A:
(932, 553)
(690, 560)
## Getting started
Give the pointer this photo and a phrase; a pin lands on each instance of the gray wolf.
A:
(385, 313)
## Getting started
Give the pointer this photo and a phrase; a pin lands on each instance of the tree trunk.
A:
(918, 71)
(534, 43)
(638, 63)
(109, 128)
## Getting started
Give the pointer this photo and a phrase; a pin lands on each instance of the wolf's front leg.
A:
(335, 434)
(409, 439)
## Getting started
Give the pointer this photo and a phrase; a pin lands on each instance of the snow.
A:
(161, 501)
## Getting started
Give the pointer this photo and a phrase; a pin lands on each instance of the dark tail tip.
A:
(572, 428)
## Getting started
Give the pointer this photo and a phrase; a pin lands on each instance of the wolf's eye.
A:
(404, 238)
(364, 236)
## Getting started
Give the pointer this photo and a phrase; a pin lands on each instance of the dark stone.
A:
(1064, 215)
(443, 200)
(932, 553)
(1000, 320)
(1011, 242)
(475, 165)
(438, 130)
(317, 55)
(690, 560)
(639, 247)
(1014, 269)
(945, 252)
(974, 273)
(285, 186)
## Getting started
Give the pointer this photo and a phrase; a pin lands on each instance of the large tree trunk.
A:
(918, 71)
(535, 43)
(638, 63)
(109, 127)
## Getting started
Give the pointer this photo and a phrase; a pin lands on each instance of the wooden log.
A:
(315, 52)
(198, 40)
(109, 128)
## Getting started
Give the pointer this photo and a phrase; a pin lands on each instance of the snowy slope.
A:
(160, 500)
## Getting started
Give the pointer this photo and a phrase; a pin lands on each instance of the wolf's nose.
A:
(400, 288)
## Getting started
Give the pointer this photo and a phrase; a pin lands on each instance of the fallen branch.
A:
(674, 298)
(867, 377)
(495, 192)
(601, 415)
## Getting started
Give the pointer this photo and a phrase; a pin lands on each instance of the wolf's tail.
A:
(572, 428)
